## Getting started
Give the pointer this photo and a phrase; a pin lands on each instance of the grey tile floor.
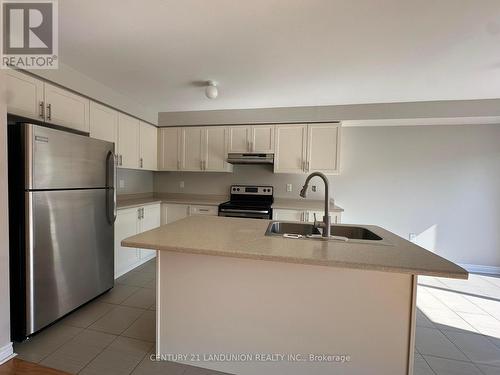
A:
(112, 335)
(458, 330)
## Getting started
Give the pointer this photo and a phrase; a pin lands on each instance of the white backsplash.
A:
(219, 183)
(131, 181)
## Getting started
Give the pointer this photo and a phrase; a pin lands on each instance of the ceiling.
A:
(276, 53)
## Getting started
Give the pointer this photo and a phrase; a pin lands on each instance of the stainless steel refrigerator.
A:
(62, 210)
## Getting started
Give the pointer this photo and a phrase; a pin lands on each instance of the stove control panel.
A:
(251, 190)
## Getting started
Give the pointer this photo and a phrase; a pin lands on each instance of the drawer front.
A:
(204, 210)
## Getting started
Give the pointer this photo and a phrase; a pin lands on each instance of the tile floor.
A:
(458, 330)
(458, 326)
(112, 335)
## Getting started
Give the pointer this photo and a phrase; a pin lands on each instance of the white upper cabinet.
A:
(290, 148)
(304, 148)
(24, 95)
(239, 139)
(191, 149)
(149, 146)
(215, 149)
(169, 141)
(128, 142)
(262, 138)
(194, 149)
(62, 107)
(323, 148)
(103, 123)
(256, 138)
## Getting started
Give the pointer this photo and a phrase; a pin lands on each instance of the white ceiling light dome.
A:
(211, 90)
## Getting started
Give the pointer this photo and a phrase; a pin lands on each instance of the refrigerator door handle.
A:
(111, 187)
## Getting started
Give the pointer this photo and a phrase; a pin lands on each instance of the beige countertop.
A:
(245, 238)
(135, 200)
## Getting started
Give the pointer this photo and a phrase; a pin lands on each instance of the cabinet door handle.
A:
(141, 163)
(142, 213)
(49, 112)
(307, 164)
(121, 159)
(139, 213)
(41, 107)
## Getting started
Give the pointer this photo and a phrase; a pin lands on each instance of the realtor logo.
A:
(29, 34)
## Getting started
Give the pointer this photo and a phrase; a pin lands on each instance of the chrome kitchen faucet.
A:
(327, 220)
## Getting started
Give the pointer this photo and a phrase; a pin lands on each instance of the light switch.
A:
(181, 184)
(288, 187)
(122, 184)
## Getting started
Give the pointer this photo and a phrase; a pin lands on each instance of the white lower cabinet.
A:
(129, 222)
(171, 212)
(151, 217)
(126, 225)
(288, 215)
(304, 216)
(203, 210)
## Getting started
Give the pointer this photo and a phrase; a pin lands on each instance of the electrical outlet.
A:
(314, 188)
(412, 237)
(289, 187)
(181, 184)
(122, 184)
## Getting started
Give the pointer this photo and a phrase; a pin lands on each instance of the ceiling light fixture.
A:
(211, 90)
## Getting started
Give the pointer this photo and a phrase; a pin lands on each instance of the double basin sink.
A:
(279, 228)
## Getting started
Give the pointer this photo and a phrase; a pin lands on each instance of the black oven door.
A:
(250, 214)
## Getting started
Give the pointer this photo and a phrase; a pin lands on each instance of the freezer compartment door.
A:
(60, 160)
(70, 255)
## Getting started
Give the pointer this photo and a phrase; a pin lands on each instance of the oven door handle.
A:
(244, 211)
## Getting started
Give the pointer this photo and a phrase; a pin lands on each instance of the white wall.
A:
(74, 80)
(5, 343)
(441, 180)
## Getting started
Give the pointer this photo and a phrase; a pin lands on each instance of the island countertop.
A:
(245, 238)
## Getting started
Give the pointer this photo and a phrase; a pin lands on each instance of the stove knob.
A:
(238, 189)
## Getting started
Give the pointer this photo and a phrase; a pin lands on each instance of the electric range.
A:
(249, 201)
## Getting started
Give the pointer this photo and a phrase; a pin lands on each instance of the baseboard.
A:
(476, 268)
(132, 266)
(6, 353)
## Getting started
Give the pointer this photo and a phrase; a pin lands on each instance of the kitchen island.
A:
(230, 298)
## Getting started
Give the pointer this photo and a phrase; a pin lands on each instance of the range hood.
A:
(250, 158)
